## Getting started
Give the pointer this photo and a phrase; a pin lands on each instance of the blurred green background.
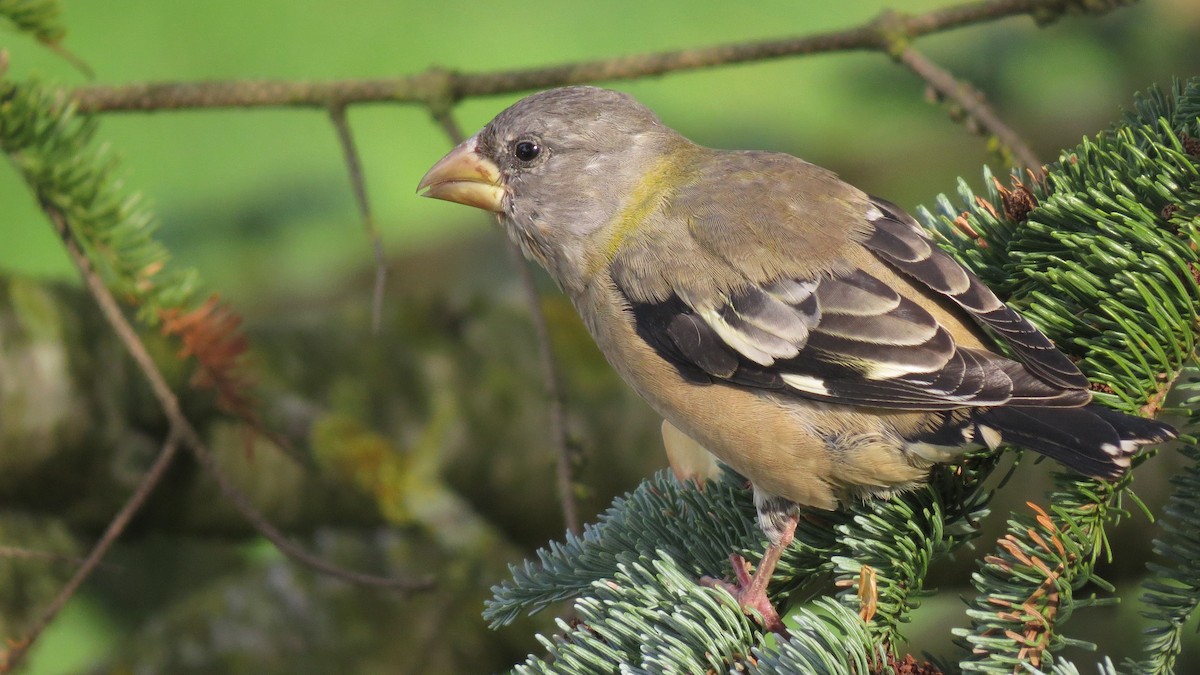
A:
(259, 203)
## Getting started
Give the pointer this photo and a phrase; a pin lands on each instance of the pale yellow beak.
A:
(466, 177)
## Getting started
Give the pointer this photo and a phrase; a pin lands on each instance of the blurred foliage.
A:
(258, 202)
(41, 18)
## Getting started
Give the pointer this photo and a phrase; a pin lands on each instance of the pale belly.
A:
(808, 452)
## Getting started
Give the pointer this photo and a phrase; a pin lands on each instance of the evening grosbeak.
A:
(807, 334)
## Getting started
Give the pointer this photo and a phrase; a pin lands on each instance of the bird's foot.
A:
(750, 591)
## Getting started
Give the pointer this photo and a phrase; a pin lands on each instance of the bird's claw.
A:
(750, 593)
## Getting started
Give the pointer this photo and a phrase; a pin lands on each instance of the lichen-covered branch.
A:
(439, 88)
(972, 104)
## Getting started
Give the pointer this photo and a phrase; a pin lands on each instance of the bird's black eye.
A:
(527, 151)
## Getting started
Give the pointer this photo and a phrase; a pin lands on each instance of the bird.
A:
(808, 335)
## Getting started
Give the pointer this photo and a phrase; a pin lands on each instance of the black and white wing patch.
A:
(899, 241)
(850, 339)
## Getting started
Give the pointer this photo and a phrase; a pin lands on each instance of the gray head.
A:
(556, 166)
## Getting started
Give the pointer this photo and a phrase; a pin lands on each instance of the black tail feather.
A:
(1092, 440)
(1132, 428)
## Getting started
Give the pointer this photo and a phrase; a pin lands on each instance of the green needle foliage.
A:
(662, 614)
(1102, 255)
(40, 18)
(1106, 265)
(53, 149)
(820, 638)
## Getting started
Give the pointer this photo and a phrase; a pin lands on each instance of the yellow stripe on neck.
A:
(646, 197)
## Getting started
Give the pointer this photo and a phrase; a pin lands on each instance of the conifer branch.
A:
(1088, 255)
(42, 19)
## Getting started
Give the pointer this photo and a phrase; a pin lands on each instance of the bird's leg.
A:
(751, 590)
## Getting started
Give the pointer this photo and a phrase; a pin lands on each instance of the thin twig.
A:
(187, 433)
(337, 114)
(115, 527)
(71, 58)
(448, 122)
(551, 383)
(442, 88)
(972, 102)
(16, 553)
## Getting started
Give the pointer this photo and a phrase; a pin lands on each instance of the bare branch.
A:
(183, 428)
(440, 89)
(337, 114)
(147, 484)
(972, 103)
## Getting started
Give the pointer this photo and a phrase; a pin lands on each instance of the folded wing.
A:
(851, 338)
